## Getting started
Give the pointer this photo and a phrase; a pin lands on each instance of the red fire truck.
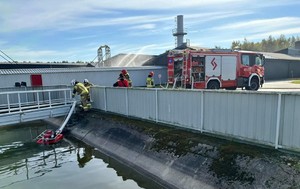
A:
(214, 69)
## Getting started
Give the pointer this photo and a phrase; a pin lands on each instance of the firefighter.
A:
(87, 156)
(88, 85)
(81, 90)
(150, 80)
(121, 82)
(127, 77)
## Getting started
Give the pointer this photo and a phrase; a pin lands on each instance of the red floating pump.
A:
(49, 137)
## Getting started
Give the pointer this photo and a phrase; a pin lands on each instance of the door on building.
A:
(36, 80)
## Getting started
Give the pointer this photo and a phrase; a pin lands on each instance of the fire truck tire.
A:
(254, 85)
(213, 85)
(231, 88)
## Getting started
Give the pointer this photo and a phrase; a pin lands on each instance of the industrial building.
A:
(39, 77)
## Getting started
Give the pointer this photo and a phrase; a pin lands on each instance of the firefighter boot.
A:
(85, 108)
(89, 106)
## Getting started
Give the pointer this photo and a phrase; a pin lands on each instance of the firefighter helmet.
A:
(73, 82)
(124, 72)
(85, 81)
(151, 73)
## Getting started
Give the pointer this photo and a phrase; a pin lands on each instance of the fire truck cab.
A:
(209, 69)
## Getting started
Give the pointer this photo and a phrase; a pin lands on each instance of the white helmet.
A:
(85, 81)
(73, 82)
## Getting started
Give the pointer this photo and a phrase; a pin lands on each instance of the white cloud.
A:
(261, 24)
(141, 27)
(56, 14)
(137, 24)
(3, 42)
(276, 33)
(259, 29)
(18, 54)
(27, 54)
(82, 37)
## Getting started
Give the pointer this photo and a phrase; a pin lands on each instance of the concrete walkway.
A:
(280, 86)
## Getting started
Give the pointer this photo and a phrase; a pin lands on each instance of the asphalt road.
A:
(283, 85)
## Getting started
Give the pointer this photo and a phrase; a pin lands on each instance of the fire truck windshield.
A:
(258, 60)
(252, 59)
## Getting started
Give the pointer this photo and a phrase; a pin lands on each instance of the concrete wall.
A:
(268, 118)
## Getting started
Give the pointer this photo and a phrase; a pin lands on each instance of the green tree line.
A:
(266, 45)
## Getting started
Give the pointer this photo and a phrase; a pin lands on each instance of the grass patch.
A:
(296, 81)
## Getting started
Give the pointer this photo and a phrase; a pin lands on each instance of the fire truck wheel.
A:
(254, 85)
(188, 86)
(213, 85)
(230, 88)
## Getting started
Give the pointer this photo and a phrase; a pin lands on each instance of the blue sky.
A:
(72, 30)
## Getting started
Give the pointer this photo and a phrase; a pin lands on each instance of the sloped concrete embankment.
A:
(180, 159)
(133, 148)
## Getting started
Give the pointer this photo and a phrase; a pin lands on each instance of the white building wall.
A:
(98, 76)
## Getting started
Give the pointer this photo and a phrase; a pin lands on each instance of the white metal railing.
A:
(19, 101)
(174, 84)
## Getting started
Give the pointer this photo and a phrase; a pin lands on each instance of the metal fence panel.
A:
(180, 107)
(98, 97)
(251, 116)
(116, 100)
(142, 103)
(290, 121)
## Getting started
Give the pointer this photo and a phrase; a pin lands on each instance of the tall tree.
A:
(267, 45)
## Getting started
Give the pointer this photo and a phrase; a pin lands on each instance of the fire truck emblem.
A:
(213, 63)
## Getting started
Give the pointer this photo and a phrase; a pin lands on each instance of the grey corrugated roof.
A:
(280, 56)
(68, 70)
(39, 70)
(268, 55)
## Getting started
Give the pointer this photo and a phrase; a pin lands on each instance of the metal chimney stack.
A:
(179, 31)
